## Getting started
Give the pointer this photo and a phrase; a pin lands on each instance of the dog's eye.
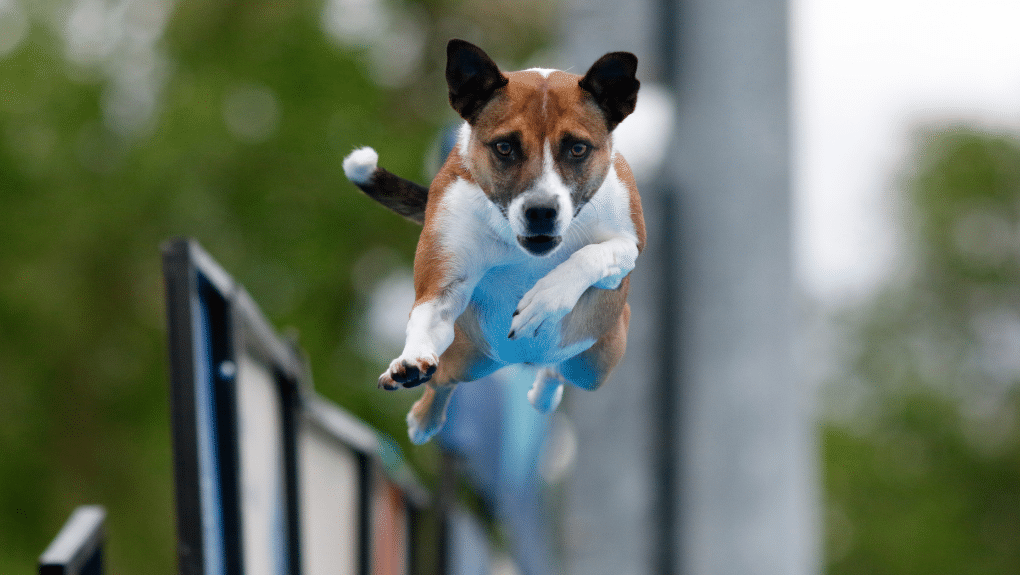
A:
(504, 148)
(579, 150)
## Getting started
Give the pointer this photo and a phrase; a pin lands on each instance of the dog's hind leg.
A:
(428, 414)
(590, 368)
(547, 390)
(462, 361)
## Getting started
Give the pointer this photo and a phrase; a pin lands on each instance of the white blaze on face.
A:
(544, 72)
(548, 191)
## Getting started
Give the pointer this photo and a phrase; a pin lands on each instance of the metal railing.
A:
(270, 477)
(78, 547)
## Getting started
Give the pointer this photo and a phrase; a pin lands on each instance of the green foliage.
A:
(966, 192)
(926, 476)
(915, 495)
(88, 193)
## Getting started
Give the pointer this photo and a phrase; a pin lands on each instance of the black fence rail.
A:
(270, 477)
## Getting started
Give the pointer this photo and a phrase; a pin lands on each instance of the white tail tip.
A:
(359, 165)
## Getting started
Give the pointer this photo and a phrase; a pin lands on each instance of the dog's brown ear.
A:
(611, 82)
(472, 77)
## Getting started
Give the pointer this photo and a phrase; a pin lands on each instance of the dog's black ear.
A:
(472, 77)
(611, 82)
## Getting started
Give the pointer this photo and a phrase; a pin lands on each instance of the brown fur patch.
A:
(528, 111)
(594, 314)
(432, 269)
(590, 368)
(465, 360)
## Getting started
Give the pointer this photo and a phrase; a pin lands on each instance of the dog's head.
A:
(538, 142)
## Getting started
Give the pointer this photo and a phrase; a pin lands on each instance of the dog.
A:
(530, 231)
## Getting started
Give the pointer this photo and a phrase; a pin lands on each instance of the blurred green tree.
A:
(126, 122)
(924, 477)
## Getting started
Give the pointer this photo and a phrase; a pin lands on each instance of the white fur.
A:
(543, 71)
(603, 265)
(360, 164)
(599, 248)
(547, 391)
(473, 230)
(548, 189)
(428, 335)
(510, 291)
(602, 250)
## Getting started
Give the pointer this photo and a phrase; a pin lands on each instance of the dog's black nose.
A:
(540, 219)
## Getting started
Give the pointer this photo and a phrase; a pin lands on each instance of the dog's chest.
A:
(492, 306)
(480, 236)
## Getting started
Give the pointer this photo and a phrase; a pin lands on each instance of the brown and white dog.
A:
(531, 229)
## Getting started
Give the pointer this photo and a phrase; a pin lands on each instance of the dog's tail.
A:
(402, 196)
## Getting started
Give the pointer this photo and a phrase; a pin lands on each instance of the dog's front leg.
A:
(603, 265)
(429, 333)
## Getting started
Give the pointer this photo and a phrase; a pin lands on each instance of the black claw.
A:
(516, 313)
(511, 336)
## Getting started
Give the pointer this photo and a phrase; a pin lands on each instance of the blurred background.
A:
(126, 122)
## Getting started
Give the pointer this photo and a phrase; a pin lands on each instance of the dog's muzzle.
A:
(540, 223)
(539, 245)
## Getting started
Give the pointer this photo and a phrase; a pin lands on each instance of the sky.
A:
(866, 74)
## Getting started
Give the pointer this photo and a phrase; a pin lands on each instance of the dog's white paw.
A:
(546, 393)
(422, 431)
(408, 372)
(546, 303)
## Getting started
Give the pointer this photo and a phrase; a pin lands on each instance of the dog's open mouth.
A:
(539, 245)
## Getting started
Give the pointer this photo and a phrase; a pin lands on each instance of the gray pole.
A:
(699, 457)
(610, 519)
(747, 453)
